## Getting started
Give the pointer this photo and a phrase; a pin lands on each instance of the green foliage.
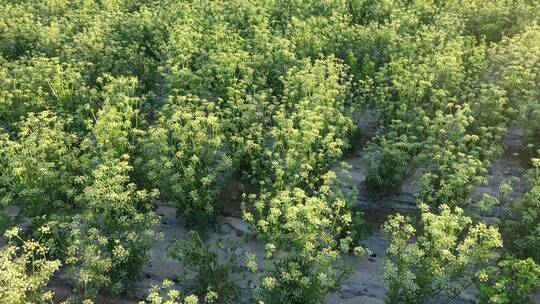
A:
(305, 236)
(212, 280)
(527, 238)
(205, 58)
(40, 83)
(439, 112)
(292, 141)
(106, 238)
(108, 242)
(137, 37)
(23, 32)
(518, 70)
(244, 121)
(171, 297)
(102, 101)
(512, 282)
(311, 124)
(491, 20)
(419, 95)
(25, 269)
(117, 123)
(455, 170)
(183, 154)
(386, 169)
(441, 260)
(40, 166)
(6, 222)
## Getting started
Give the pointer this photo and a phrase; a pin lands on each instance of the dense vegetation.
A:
(108, 105)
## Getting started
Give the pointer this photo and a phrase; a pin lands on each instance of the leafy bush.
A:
(311, 124)
(306, 132)
(119, 41)
(442, 111)
(25, 270)
(212, 278)
(23, 32)
(304, 236)
(386, 169)
(527, 235)
(116, 126)
(517, 67)
(441, 260)
(108, 243)
(492, 20)
(39, 168)
(40, 83)
(183, 154)
(171, 297)
(452, 178)
(245, 118)
(512, 282)
(205, 58)
(460, 150)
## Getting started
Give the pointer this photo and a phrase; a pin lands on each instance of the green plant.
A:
(517, 66)
(439, 261)
(493, 20)
(183, 154)
(25, 269)
(311, 124)
(528, 216)
(41, 83)
(299, 136)
(212, 274)
(6, 222)
(117, 123)
(512, 282)
(24, 33)
(108, 242)
(39, 167)
(244, 118)
(461, 145)
(172, 296)
(386, 169)
(305, 236)
(207, 61)
(102, 101)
